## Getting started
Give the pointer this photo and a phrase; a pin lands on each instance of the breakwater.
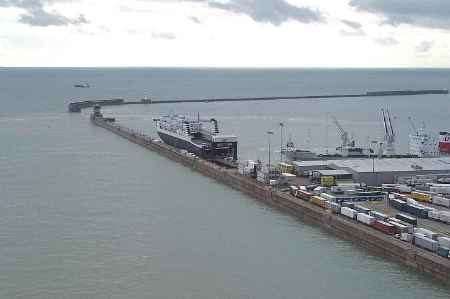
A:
(77, 106)
(366, 237)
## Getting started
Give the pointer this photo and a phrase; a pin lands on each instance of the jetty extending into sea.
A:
(365, 236)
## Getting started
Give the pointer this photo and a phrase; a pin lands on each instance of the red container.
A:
(384, 227)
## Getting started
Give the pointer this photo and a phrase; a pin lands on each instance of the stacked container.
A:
(348, 212)
(406, 237)
(319, 201)
(384, 227)
(335, 207)
(445, 217)
(366, 219)
(419, 196)
(444, 242)
(417, 211)
(426, 232)
(424, 242)
(434, 215)
(362, 209)
(378, 215)
(407, 219)
(398, 204)
(348, 204)
(410, 227)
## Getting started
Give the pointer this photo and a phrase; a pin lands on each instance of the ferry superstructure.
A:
(200, 137)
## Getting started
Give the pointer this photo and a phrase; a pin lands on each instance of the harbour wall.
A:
(374, 241)
(77, 106)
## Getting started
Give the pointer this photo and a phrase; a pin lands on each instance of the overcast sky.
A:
(225, 33)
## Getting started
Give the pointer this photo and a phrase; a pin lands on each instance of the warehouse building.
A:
(304, 168)
(388, 170)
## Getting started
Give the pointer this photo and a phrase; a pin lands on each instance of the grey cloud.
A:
(352, 24)
(195, 20)
(387, 41)
(425, 13)
(36, 15)
(424, 47)
(353, 28)
(275, 12)
(164, 35)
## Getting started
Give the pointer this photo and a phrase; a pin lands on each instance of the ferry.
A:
(199, 137)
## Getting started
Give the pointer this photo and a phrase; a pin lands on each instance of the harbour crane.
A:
(389, 134)
(346, 141)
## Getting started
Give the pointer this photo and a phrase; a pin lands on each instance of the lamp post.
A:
(269, 133)
(373, 156)
(281, 143)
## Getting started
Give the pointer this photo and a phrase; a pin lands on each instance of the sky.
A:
(225, 33)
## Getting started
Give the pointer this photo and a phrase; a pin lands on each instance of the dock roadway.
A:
(375, 241)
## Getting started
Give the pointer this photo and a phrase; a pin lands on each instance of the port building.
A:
(388, 170)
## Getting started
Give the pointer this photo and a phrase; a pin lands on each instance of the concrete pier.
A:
(77, 106)
(373, 240)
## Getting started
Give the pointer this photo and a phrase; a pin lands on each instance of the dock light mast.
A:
(269, 133)
(281, 144)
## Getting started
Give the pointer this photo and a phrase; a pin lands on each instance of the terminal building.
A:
(389, 170)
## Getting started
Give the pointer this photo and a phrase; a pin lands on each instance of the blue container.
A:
(398, 204)
(443, 251)
(406, 218)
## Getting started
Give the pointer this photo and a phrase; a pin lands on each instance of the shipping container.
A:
(304, 195)
(327, 181)
(334, 207)
(327, 196)
(419, 196)
(426, 232)
(398, 204)
(407, 237)
(409, 226)
(400, 196)
(348, 212)
(441, 201)
(425, 242)
(364, 218)
(400, 228)
(378, 215)
(407, 219)
(440, 188)
(444, 241)
(443, 251)
(404, 188)
(348, 204)
(362, 209)
(434, 215)
(293, 190)
(384, 227)
(319, 201)
(444, 217)
(417, 211)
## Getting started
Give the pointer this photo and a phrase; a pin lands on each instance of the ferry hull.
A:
(181, 144)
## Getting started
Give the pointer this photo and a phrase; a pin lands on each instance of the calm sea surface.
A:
(85, 214)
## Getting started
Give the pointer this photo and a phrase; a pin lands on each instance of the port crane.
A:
(389, 134)
(346, 140)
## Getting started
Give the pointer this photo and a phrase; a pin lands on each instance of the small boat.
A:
(82, 85)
